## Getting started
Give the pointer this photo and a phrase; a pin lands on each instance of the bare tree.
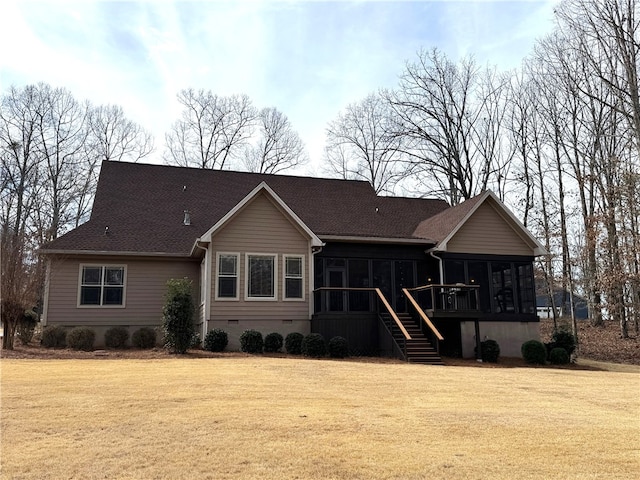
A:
(585, 83)
(450, 115)
(20, 167)
(116, 138)
(278, 146)
(21, 283)
(63, 133)
(19, 181)
(606, 33)
(49, 157)
(362, 144)
(211, 130)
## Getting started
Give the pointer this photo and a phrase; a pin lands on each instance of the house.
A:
(562, 303)
(395, 276)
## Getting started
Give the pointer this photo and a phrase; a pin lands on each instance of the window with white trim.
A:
(293, 277)
(227, 283)
(102, 285)
(261, 271)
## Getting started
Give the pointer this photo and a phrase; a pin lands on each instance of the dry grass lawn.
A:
(283, 418)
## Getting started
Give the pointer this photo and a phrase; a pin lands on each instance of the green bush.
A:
(26, 326)
(177, 316)
(81, 338)
(314, 345)
(558, 356)
(563, 338)
(489, 351)
(116, 337)
(216, 340)
(54, 336)
(273, 342)
(251, 341)
(534, 352)
(338, 347)
(196, 342)
(144, 337)
(293, 343)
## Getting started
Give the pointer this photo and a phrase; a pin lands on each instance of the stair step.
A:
(419, 349)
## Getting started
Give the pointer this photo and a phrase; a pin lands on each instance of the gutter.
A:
(356, 239)
(115, 253)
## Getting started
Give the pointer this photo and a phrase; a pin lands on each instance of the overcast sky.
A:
(308, 59)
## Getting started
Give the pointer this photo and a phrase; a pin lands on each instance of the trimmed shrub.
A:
(558, 356)
(489, 351)
(116, 337)
(216, 340)
(81, 338)
(54, 336)
(196, 342)
(534, 352)
(273, 342)
(177, 316)
(563, 338)
(338, 347)
(26, 326)
(251, 341)
(144, 337)
(293, 343)
(313, 345)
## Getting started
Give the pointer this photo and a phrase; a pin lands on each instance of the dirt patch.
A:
(603, 344)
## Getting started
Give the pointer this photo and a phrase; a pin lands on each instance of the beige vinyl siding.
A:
(144, 291)
(260, 228)
(486, 231)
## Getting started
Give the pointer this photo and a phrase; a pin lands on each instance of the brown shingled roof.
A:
(143, 206)
(439, 226)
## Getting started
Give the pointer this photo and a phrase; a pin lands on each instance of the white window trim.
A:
(284, 278)
(103, 266)
(217, 275)
(247, 277)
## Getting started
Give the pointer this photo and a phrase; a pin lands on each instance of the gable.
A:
(260, 224)
(487, 231)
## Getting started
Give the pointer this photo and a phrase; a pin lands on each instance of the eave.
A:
(386, 240)
(114, 253)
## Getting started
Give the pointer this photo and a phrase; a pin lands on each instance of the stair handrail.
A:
(392, 313)
(422, 314)
(382, 299)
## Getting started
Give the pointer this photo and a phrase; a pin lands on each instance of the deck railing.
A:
(447, 298)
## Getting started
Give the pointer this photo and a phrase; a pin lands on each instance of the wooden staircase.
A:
(419, 348)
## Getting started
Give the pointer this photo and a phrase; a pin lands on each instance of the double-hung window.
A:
(261, 276)
(102, 285)
(293, 277)
(227, 284)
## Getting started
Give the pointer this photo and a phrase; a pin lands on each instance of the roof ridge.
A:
(236, 172)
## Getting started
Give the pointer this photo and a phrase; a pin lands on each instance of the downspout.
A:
(431, 252)
(207, 290)
(476, 322)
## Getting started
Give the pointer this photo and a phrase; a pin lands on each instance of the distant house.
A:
(395, 276)
(560, 299)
